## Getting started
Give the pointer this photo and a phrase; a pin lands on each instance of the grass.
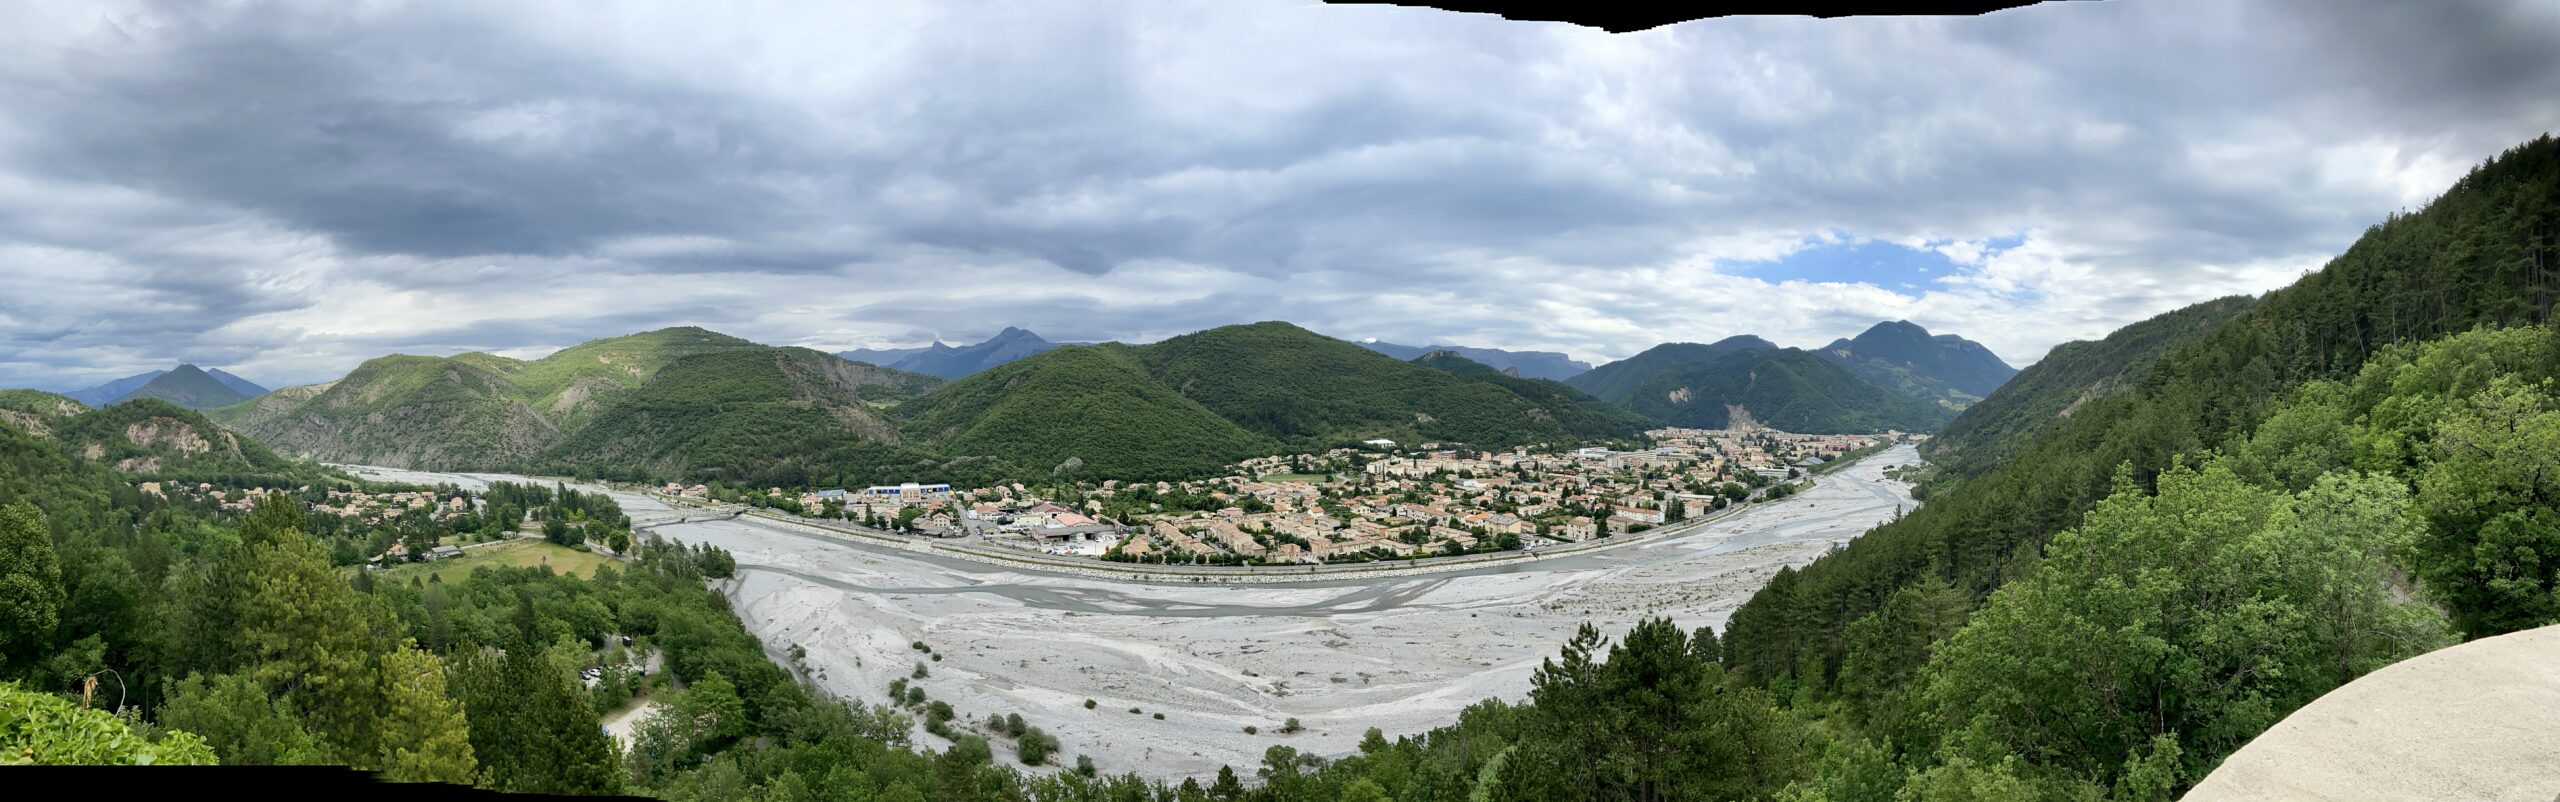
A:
(518, 554)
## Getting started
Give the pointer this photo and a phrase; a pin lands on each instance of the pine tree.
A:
(423, 734)
(31, 592)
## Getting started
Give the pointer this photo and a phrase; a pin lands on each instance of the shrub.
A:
(1088, 704)
(1034, 747)
(1252, 730)
(920, 672)
(1159, 716)
(1291, 726)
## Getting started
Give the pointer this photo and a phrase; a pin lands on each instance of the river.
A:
(1402, 654)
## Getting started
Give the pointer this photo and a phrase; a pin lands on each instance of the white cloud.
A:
(285, 190)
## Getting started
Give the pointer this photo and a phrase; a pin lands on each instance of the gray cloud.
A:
(284, 190)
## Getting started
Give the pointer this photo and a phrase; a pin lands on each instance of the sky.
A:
(286, 190)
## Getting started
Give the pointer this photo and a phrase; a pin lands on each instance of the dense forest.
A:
(1786, 389)
(1192, 404)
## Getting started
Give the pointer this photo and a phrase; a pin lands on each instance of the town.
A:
(1379, 501)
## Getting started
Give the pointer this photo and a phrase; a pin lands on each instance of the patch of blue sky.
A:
(1850, 259)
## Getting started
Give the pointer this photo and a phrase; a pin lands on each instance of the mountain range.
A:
(1895, 375)
(1524, 364)
(958, 361)
(699, 405)
(1787, 389)
(953, 362)
(1195, 402)
(674, 402)
(185, 389)
(688, 403)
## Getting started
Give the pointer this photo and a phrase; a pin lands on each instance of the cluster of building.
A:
(371, 507)
(1376, 502)
(1382, 503)
(1007, 515)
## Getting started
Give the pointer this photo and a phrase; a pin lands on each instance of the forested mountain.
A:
(752, 416)
(403, 411)
(1617, 381)
(476, 410)
(1201, 400)
(1574, 409)
(153, 438)
(953, 362)
(2070, 375)
(696, 405)
(1787, 389)
(187, 386)
(1899, 355)
(36, 411)
(146, 438)
(1529, 364)
(1309, 390)
(1088, 407)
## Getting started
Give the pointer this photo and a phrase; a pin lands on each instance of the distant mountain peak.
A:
(1526, 364)
(188, 386)
(1903, 355)
(955, 361)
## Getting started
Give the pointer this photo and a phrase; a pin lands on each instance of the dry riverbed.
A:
(1401, 654)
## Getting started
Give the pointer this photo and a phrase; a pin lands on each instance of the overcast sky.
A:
(287, 190)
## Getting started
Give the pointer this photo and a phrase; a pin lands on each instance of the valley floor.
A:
(1403, 655)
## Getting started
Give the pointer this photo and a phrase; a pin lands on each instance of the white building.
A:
(904, 494)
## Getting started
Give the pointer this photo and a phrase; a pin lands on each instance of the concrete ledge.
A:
(2478, 721)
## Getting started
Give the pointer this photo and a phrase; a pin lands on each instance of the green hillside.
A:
(1312, 391)
(1572, 409)
(36, 412)
(152, 438)
(1194, 403)
(1901, 356)
(564, 385)
(468, 411)
(1094, 406)
(1789, 389)
(187, 386)
(1617, 381)
(1451, 362)
(772, 416)
(2072, 374)
(2305, 384)
(423, 412)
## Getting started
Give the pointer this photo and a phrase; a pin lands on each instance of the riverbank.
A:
(1275, 574)
(1402, 652)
